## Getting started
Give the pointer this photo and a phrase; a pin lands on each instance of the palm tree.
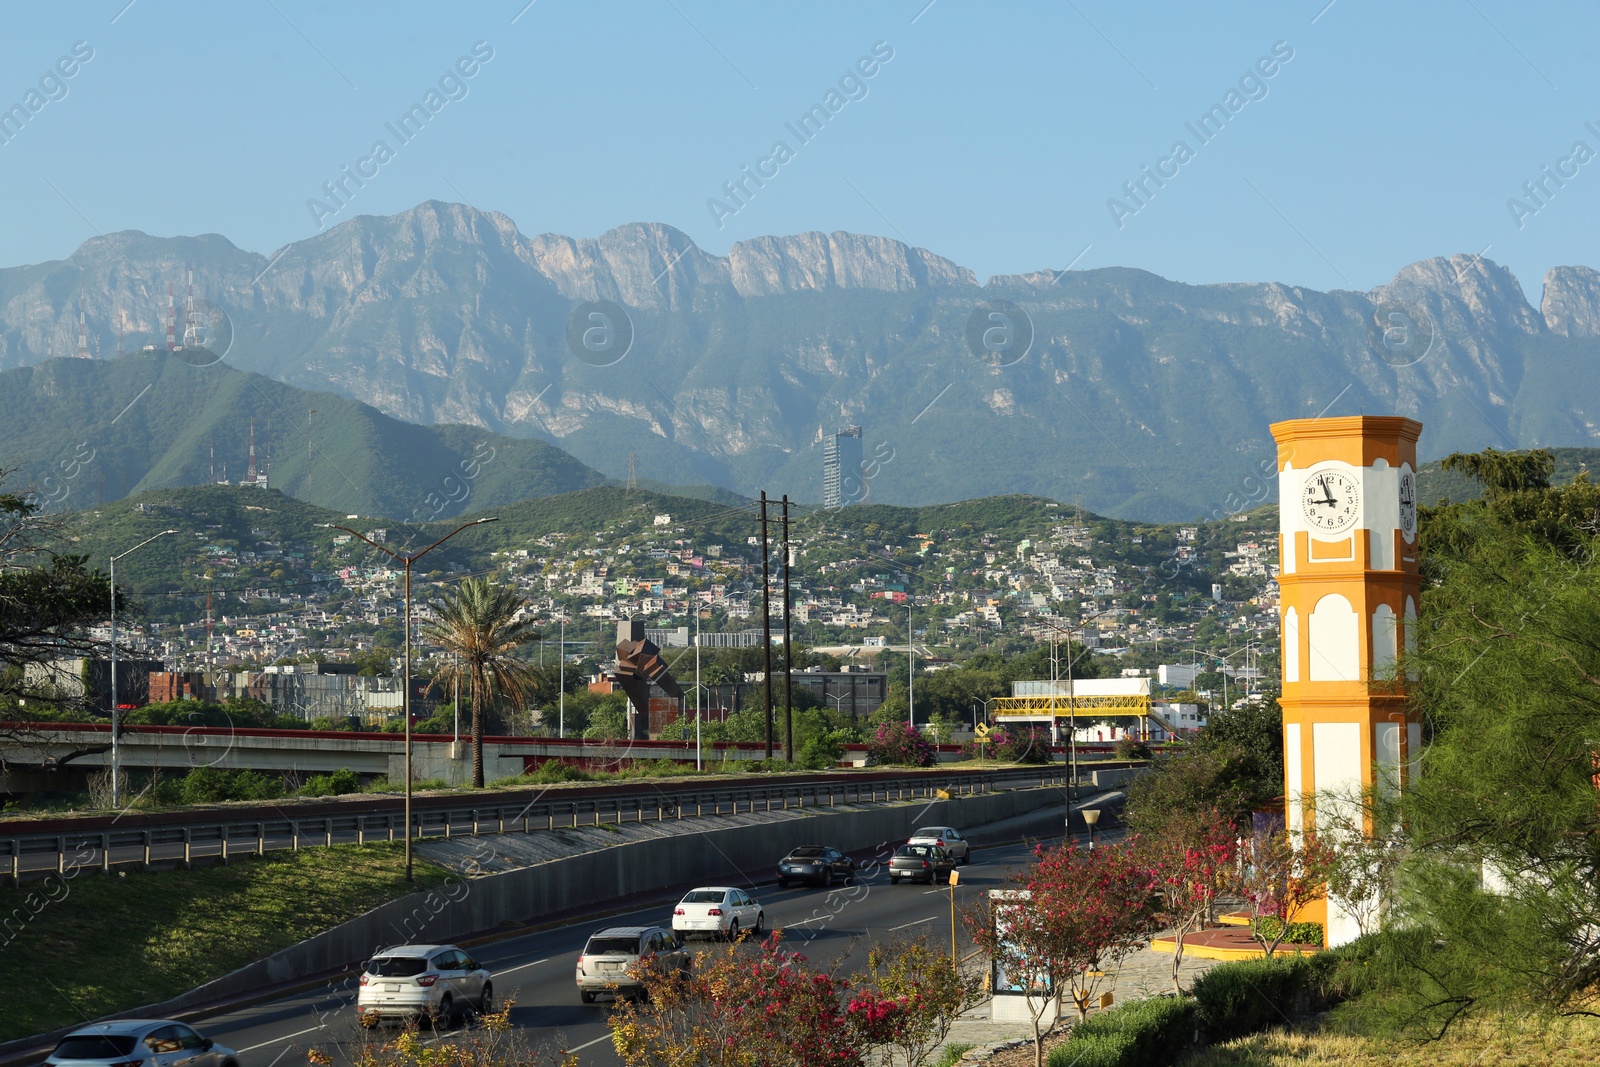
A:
(478, 628)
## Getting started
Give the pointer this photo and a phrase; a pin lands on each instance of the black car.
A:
(816, 864)
(921, 863)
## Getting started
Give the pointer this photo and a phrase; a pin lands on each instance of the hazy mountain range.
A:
(1135, 396)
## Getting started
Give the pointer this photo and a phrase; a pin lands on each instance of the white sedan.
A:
(947, 838)
(718, 910)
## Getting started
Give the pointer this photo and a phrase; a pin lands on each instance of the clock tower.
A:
(1349, 585)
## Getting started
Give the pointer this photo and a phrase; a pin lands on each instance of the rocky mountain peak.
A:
(1486, 291)
(1571, 304)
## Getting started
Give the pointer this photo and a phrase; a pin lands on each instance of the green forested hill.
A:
(88, 432)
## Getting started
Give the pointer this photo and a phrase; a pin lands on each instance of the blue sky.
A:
(995, 135)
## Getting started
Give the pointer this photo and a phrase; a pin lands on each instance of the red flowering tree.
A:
(768, 1008)
(1070, 917)
(916, 994)
(1193, 861)
(899, 744)
(1279, 875)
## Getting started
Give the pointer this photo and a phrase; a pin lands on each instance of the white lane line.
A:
(813, 919)
(586, 1044)
(274, 1041)
(913, 922)
(510, 970)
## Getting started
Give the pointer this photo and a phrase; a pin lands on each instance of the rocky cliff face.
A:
(1135, 394)
(1571, 305)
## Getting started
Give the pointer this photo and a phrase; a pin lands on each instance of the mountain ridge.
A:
(1134, 394)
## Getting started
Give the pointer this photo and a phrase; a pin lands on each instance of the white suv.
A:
(436, 982)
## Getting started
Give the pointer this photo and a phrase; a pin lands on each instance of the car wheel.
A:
(966, 857)
(486, 1000)
(586, 996)
(733, 930)
(761, 921)
(783, 883)
(442, 1016)
(827, 881)
(894, 879)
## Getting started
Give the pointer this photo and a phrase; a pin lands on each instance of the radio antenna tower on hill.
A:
(250, 472)
(191, 321)
(172, 321)
(122, 326)
(83, 334)
(633, 473)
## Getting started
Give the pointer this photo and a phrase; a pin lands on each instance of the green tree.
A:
(480, 627)
(1501, 894)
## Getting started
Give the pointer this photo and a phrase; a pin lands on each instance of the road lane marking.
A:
(519, 967)
(913, 922)
(586, 1044)
(275, 1040)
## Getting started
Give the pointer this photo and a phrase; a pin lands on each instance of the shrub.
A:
(900, 745)
(208, 785)
(1141, 1033)
(1022, 746)
(340, 782)
(1267, 927)
(1132, 748)
(823, 751)
(1243, 997)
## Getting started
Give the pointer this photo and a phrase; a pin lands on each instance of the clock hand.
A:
(1327, 496)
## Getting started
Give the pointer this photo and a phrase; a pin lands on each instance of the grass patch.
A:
(113, 943)
(952, 1053)
(1520, 1042)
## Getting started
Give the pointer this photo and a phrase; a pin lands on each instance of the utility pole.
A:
(911, 670)
(788, 655)
(766, 614)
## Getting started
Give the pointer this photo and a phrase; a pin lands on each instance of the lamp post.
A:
(116, 725)
(561, 685)
(1072, 703)
(406, 559)
(911, 671)
(1091, 816)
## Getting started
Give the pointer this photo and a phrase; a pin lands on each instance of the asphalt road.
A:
(536, 970)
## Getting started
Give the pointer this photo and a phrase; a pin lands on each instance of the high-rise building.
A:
(841, 468)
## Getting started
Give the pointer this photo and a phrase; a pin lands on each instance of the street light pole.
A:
(911, 671)
(561, 687)
(116, 725)
(407, 559)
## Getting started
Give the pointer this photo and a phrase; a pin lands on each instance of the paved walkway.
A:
(1143, 974)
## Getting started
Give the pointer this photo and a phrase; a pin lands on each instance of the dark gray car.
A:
(817, 865)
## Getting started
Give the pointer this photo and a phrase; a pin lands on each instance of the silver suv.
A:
(604, 962)
(436, 982)
(139, 1043)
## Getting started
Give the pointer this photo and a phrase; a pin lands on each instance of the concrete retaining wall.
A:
(466, 907)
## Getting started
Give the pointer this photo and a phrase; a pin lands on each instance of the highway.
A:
(536, 970)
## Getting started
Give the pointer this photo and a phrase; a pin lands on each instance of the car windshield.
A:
(806, 852)
(929, 831)
(94, 1047)
(915, 850)
(704, 896)
(397, 966)
(612, 946)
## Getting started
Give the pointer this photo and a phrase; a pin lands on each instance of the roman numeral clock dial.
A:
(1331, 501)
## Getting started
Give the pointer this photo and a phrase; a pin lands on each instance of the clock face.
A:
(1331, 501)
(1408, 505)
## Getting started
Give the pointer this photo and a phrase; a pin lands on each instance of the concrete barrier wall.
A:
(466, 907)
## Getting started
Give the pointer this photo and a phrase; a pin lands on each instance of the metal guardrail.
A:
(107, 849)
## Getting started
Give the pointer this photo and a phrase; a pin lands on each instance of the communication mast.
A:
(172, 321)
(83, 335)
(250, 472)
(191, 321)
(633, 473)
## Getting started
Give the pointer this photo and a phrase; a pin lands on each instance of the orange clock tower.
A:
(1349, 585)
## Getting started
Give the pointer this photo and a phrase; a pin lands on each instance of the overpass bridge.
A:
(59, 757)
